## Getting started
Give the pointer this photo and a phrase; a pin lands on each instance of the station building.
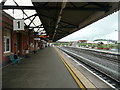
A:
(16, 42)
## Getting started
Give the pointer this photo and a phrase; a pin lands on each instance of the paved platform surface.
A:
(41, 70)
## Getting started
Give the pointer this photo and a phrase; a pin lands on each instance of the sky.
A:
(106, 28)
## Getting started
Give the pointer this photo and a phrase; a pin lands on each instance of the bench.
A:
(13, 60)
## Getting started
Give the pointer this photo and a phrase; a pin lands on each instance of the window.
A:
(6, 42)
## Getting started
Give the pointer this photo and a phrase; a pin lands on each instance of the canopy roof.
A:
(60, 19)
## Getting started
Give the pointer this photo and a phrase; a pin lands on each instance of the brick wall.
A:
(26, 39)
(7, 23)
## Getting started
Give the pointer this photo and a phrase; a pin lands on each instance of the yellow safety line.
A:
(71, 72)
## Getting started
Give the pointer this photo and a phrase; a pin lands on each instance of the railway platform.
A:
(41, 70)
(49, 68)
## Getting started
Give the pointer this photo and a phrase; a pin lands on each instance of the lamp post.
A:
(119, 36)
(118, 41)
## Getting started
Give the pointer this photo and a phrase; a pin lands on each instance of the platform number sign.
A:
(18, 24)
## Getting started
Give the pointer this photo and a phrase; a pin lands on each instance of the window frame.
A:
(5, 43)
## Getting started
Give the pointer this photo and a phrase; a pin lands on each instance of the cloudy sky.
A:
(105, 28)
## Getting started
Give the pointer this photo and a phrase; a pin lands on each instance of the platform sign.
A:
(18, 24)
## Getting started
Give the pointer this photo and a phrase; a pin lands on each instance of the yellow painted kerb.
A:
(71, 72)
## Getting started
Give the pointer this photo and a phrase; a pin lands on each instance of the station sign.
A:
(43, 36)
(18, 24)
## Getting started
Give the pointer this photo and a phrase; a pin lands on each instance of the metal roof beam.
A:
(97, 4)
(56, 19)
(63, 5)
(39, 27)
(53, 27)
(62, 31)
(3, 2)
(73, 4)
(23, 11)
(45, 4)
(30, 16)
(54, 8)
(32, 21)
(106, 7)
(69, 26)
(85, 5)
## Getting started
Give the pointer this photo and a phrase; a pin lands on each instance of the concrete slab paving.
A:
(41, 70)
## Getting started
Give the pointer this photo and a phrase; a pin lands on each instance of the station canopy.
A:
(59, 19)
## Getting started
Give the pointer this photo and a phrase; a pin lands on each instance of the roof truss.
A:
(55, 8)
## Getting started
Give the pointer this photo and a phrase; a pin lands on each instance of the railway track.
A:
(95, 68)
(109, 56)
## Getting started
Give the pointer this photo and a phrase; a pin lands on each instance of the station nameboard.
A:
(18, 24)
